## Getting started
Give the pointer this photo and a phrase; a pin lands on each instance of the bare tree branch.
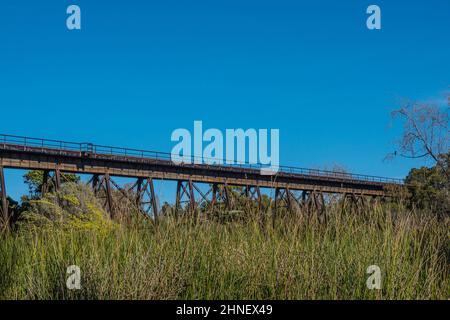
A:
(425, 132)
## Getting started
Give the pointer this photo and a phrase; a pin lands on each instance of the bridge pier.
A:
(153, 198)
(109, 198)
(3, 198)
(353, 201)
(145, 200)
(203, 197)
(95, 182)
(285, 198)
(141, 194)
(214, 196)
(316, 205)
(45, 186)
(51, 182)
(253, 193)
(259, 198)
(227, 196)
(103, 184)
(57, 178)
(185, 189)
(217, 194)
(308, 202)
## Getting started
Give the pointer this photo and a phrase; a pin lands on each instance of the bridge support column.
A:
(221, 194)
(146, 200)
(45, 181)
(252, 193)
(354, 202)
(284, 198)
(261, 214)
(185, 189)
(227, 194)
(153, 199)
(316, 202)
(245, 195)
(3, 198)
(57, 179)
(288, 197)
(141, 195)
(109, 199)
(322, 214)
(50, 183)
(139, 183)
(178, 197)
(213, 197)
(192, 202)
(259, 199)
(276, 205)
(95, 183)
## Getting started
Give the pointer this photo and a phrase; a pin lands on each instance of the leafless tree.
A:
(425, 132)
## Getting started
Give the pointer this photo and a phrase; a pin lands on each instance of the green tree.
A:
(430, 187)
(35, 180)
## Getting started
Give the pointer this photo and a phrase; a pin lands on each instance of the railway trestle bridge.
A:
(293, 186)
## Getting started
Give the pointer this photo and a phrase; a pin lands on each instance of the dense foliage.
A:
(430, 187)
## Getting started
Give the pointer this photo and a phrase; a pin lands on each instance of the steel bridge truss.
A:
(191, 199)
(228, 187)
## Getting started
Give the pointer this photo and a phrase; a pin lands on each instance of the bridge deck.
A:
(85, 158)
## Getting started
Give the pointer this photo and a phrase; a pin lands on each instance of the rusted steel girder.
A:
(186, 191)
(284, 198)
(57, 179)
(354, 201)
(153, 198)
(145, 198)
(109, 199)
(51, 183)
(140, 195)
(253, 193)
(45, 182)
(189, 192)
(309, 202)
(3, 198)
(103, 184)
(30, 158)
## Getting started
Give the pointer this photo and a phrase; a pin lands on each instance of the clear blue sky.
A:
(140, 69)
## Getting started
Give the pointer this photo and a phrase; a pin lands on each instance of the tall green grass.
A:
(295, 258)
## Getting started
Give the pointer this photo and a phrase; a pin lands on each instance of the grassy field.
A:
(295, 258)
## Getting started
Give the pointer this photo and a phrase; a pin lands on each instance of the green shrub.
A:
(74, 207)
